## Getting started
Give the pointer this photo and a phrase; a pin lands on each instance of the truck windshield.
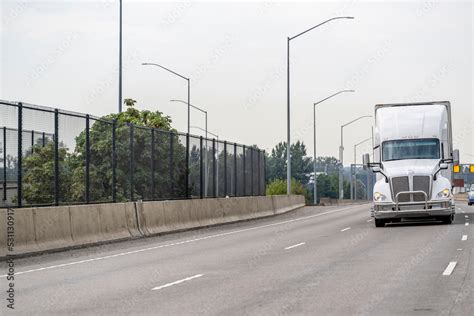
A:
(410, 149)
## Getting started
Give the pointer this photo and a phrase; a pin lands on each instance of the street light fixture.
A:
(341, 154)
(314, 147)
(288, 140)
(199, 109)
(183, 77)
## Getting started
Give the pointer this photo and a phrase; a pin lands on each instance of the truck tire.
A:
(379, 222)
(447, 219)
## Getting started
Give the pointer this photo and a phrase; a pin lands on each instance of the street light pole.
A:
(341, 155)
(288, 110)
(189, 88)
(206, 169)
(355, 163)
(315, 193)
(120, 60)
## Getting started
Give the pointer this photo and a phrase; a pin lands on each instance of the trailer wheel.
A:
(379, 222)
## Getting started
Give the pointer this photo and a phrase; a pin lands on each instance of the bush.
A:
(278, 187)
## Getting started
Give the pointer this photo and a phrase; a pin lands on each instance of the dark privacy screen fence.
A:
(54, 157)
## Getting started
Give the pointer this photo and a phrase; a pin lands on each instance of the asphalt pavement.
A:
(313, 261)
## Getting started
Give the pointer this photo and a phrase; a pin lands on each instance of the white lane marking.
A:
(185, 241)
(294, 246)
(464, 237)
(459, 249)
(466, 216)
(177, 282)
(467, 224)
(449, 269)
(369, 220)
(347, 228)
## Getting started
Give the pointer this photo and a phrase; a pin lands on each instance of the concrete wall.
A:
(56, 228)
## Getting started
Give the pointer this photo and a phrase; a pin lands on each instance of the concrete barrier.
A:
(55, 228)
(3, 232)
(52, 228)
(285, 203)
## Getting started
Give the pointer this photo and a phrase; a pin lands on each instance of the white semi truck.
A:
(413, 157)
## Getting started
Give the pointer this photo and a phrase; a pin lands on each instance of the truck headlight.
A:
(444, 193)
(379, 197)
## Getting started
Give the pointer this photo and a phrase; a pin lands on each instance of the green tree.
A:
(169, 174)
(301, 164)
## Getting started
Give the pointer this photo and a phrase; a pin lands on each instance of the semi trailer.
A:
(413, 157)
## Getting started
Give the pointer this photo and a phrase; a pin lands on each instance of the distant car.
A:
(470, 198)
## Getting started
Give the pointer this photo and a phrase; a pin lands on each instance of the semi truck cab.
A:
(413, 159)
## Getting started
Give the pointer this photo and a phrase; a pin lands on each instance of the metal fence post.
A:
(225, 168)
(114, 161)
(56, 157)
(32, 141)
(20, 155)
(252, 177)
(44, 139)
(259, 183)
(243, 171)
(88, 157)
(201, 171)
(131, 163)
(214, 167)
(264, 173)
(186, 180)
(153, 164)
(171, 165)
(4, 163)
(235, 169)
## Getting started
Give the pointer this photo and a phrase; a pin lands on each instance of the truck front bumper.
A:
(413, 209)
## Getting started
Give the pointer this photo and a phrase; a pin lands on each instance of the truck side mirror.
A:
(456, 157)
(379, 170)
(365, 161)
(443, 166)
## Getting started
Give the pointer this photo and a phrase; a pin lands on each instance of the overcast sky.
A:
(65, 54)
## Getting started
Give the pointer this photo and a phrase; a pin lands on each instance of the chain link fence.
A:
(55, 157)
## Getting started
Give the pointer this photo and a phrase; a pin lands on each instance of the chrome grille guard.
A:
(411, 200)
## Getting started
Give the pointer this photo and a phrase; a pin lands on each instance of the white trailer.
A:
(413, 158)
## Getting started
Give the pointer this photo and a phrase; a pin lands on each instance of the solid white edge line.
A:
(464, 237)
(450, 268)
(294, 246)
(186, 241)
(176, 282)
(344, 229)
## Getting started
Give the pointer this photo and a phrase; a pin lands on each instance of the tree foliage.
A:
(301, 165)
(169, 174)
(278, 187)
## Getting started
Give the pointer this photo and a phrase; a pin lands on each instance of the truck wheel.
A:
(447, 219)
(379, 223)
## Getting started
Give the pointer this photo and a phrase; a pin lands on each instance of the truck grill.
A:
(400, 184)
(421, 183)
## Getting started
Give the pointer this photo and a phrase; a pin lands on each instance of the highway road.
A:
(316, 260)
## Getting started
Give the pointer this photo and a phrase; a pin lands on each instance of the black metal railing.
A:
(55, 157)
